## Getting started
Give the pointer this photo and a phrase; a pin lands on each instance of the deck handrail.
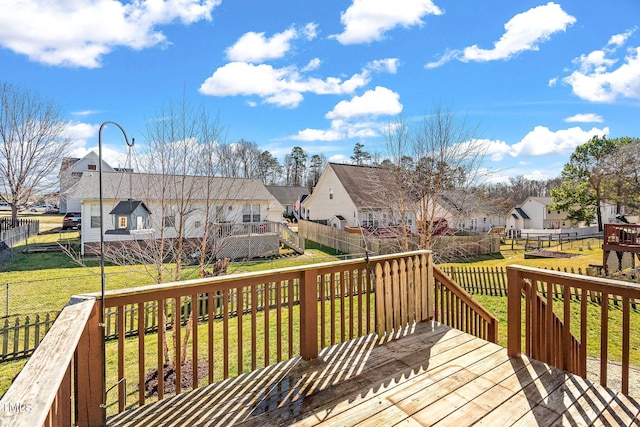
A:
(252, 320)
(456, 308)
(548, 332)
(60, 374)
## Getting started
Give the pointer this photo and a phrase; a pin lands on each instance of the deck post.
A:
(309, 315)
(89, 373)
(514, 312)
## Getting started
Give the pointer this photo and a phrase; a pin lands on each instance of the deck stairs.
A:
(290, 238)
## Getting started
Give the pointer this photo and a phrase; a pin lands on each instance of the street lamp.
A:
(102, 276)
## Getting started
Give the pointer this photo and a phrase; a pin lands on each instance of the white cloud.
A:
(597, 80)
(85, 112)
(317, 135)
(81, 134)
(314, 64)
(584, 118)
(389, 65)
(541, 141)
(368, 20)
(79, 33)
(284, 86)
(525, 31)
(495, 150)
(255, 47)
(377, 102)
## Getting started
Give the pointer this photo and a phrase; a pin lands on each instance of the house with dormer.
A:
(359, 196)
(137, 206)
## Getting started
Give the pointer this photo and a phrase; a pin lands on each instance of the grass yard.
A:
(44, 282)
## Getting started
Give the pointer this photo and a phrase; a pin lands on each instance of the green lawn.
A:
(44, 282)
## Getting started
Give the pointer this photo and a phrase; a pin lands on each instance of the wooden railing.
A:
(456, 308)
(60, 385)
(556, 329)
(251, 320)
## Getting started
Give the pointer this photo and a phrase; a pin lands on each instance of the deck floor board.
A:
(433, 375)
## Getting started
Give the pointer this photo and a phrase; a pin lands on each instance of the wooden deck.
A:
(434, 375)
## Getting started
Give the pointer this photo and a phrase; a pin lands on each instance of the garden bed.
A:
(549, 254)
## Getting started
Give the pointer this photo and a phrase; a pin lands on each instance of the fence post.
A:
(89, 375)
(514, 312)
(309, 314)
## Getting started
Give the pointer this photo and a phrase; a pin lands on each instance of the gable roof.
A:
(139, 186)
(368, 186)
(464, 202)
(287, 195)
(127, 207)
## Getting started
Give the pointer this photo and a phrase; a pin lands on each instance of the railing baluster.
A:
(195, 315)
(122, 392)
(210, 337)
(141, 361)
(626, 326)
(177, 327)
(604, 338)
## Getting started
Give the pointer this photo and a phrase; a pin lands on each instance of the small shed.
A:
(129, 215)
(338, 221)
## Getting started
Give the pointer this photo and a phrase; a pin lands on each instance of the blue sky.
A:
(538, 78)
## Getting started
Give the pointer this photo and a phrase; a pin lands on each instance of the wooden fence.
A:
(13, 233)
(443, 247)
(492, 281)
(20, 337)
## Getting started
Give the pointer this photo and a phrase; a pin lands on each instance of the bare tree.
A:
(429, 158)
(33, 144)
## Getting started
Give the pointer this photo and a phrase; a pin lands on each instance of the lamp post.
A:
(102, 275)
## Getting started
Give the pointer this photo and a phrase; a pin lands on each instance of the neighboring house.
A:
(464, 210)
(535, 213)
(139, 206)
(353, 195)
(288, 196)
(71, 171)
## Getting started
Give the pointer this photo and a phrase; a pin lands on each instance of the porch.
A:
(336, 343)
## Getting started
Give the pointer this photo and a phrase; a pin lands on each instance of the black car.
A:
(71, 220)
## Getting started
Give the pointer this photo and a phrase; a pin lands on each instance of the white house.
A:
(71, 171)
(353, 195)
(139, 206)
(535, 213)
(464, 210)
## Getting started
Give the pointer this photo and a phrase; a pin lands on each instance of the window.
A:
(122, 222)
(331, 194)
(251, 213)
(92, 167)
(219, 213)
(95, 216)
(169, 220)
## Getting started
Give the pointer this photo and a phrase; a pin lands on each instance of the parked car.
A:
(53, 210)
(72, 220)
(40, 208)
(4, 206)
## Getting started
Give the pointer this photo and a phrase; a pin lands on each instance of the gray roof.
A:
(287, 195)
(127, 207)
(463, 201)
(522, 213)
(148, 187)
(368, 186)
